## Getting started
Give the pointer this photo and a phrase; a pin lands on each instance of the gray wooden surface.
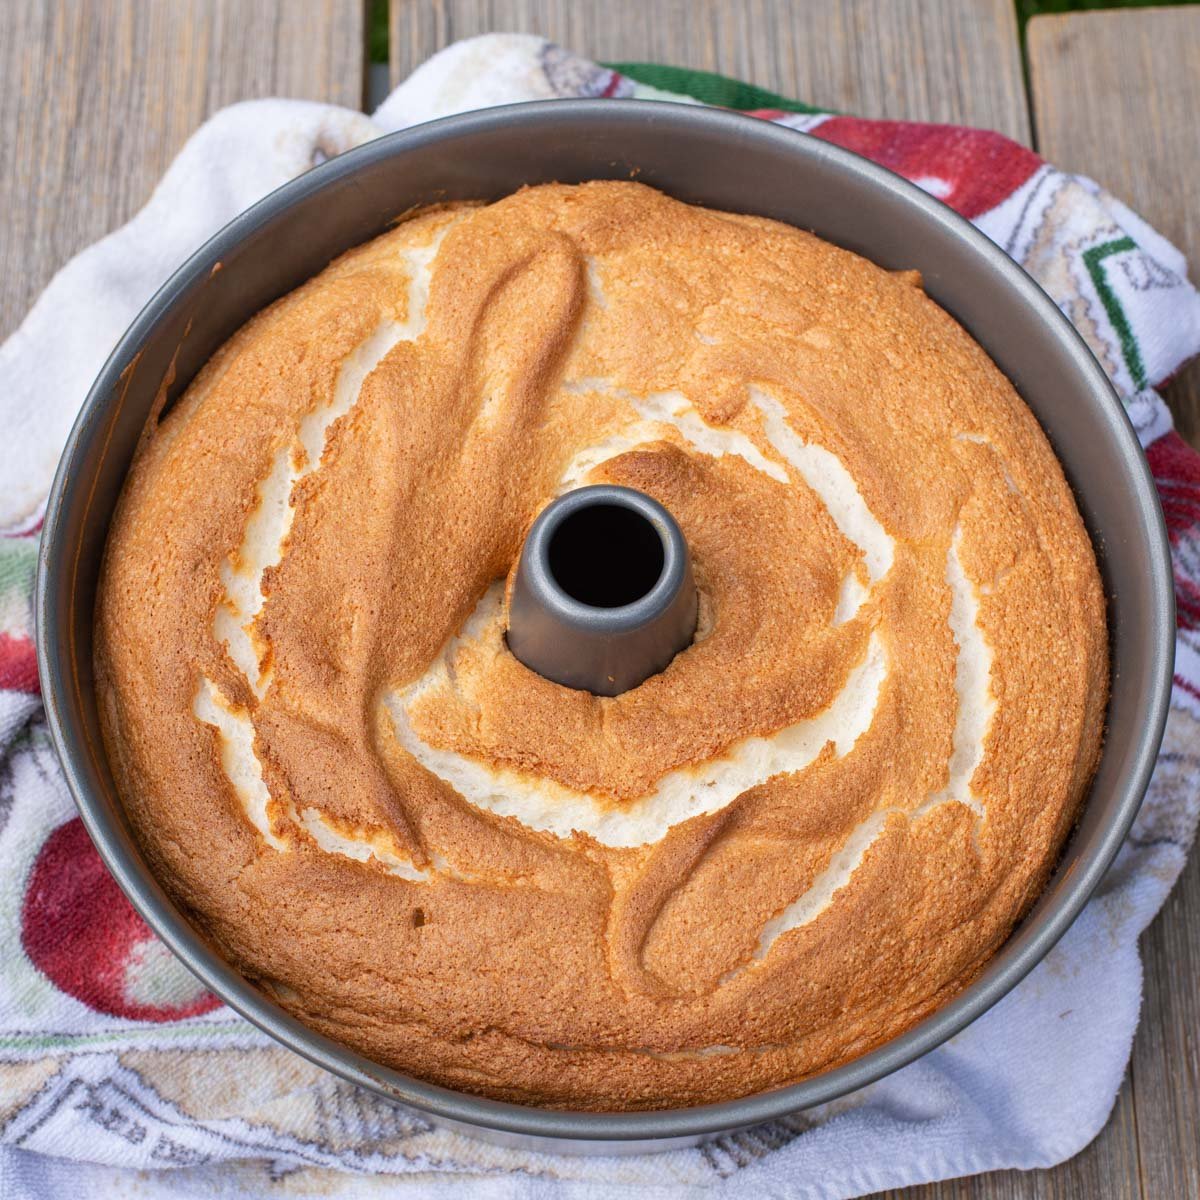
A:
(95, 99)
(97, 96)
(1117, 96)
(942, 61)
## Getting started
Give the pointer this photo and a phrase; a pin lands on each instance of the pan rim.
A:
(146, 895)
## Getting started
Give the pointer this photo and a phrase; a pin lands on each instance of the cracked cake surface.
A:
(811, 830)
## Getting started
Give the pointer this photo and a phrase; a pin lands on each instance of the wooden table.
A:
(96, 98)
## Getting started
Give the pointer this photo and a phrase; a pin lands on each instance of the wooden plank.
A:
(933, 61)
(1116, 96)
(98, 97)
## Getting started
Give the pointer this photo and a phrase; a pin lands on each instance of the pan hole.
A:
(606, 555)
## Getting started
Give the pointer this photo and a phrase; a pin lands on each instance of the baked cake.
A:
(808, 832)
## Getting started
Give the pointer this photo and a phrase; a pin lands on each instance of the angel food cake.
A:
(806, 833)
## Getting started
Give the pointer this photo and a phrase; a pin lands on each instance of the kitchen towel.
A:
(113, 1059)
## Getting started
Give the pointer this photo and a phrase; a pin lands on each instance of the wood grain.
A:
(1116, 96)
(97, 97)
(946, 60)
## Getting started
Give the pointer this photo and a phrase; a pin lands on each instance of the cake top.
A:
(806, 833)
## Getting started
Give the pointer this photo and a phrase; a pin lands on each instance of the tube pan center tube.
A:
(603, 596)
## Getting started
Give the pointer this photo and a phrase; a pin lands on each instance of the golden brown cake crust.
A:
(807, 833)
